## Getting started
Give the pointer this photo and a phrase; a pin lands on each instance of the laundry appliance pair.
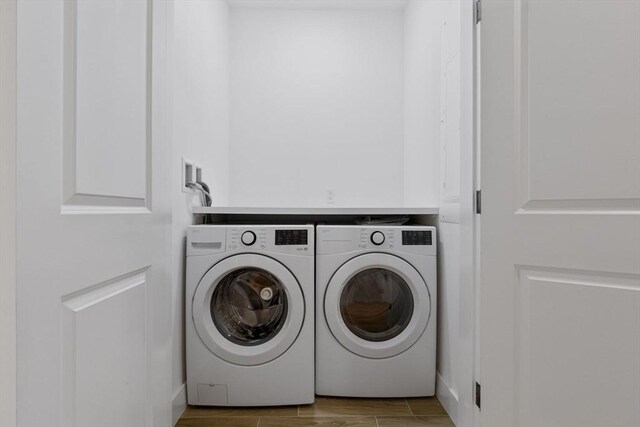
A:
(276, 314)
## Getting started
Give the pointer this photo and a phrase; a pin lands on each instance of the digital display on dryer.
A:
(291, 237)
(416, 237)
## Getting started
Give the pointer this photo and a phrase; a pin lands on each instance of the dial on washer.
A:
(248, 238)
(377, 238)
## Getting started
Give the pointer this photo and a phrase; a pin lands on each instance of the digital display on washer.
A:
(291, 237)
(416, 237)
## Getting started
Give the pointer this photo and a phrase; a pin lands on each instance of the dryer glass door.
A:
(377, 305)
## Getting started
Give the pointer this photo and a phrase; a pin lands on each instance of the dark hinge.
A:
(478, 201)
(478, 394)
(478, 11)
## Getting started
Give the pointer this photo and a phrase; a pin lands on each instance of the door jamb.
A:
(468, 413)
(470, 223)
(476, 35)
(8, 210)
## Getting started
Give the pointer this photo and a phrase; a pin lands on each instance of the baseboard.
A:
(178, 403)
(447, 397)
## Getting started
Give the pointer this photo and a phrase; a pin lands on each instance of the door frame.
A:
(8, 208)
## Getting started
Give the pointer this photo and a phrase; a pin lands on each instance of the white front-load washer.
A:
(250, 315)
(376, 311)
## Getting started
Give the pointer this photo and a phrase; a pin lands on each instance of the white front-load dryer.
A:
(376, 311)
(250, 315)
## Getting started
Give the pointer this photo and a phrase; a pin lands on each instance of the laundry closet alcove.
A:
(325, 111)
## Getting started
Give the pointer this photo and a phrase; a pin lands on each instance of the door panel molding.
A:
(546, 185)
(121, 351)
(582, 206)
(129, 190)
(564, 343)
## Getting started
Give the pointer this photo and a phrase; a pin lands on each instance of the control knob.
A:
(248, 238)
(377, 238)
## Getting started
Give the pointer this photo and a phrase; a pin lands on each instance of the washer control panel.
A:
(292, 237)
(377, 238)
(248, 238)
(256, 238)
(281, 239)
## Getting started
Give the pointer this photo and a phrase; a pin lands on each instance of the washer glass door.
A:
(377, 305)
(249, 306)
(248, 309)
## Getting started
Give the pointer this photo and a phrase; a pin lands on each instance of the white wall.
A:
(316, 105)
(422, 52)
(200, 133)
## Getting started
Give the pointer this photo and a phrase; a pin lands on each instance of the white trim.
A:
(476, 82)
(318, 4)
(178, 404)
(345, 210)
(447, 397)
(8, 208)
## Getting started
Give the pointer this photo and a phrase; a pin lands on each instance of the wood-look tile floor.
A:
(325, 412)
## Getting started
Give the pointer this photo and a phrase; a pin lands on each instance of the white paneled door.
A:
(560, 292)
(93, 312)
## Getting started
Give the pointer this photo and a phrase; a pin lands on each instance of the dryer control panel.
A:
(414, 239)
(380, 238)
